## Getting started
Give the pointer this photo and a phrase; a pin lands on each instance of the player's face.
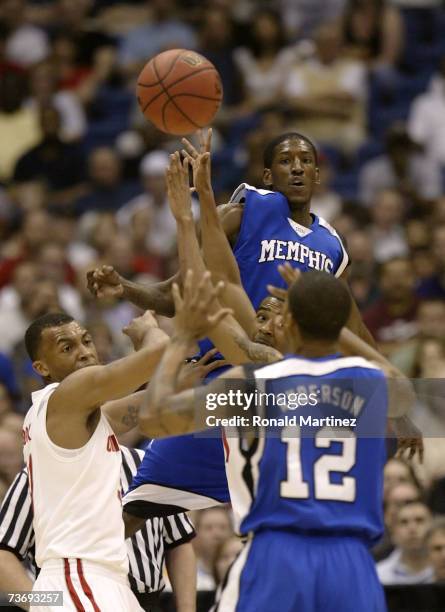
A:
(266, 314)
(63, 350)
(293, 172)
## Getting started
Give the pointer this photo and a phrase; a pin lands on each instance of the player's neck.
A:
(317, 348)
(301, 214)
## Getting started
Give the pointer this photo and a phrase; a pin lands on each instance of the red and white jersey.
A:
(76, 493)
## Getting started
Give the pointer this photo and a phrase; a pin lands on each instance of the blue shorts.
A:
(177, 474)
(285, 571)
(180, 473)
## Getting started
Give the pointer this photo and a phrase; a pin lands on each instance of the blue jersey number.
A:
(294, 487)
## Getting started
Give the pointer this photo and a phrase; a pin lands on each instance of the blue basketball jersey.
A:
(298, 475)
(269, 237)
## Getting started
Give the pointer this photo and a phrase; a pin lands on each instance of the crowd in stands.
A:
(82, 183)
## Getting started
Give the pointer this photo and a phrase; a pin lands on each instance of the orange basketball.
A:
(179, 91)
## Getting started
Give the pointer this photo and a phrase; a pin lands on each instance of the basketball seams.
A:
(193, 95)
(165, 89)
(171, 100)
(175, 59)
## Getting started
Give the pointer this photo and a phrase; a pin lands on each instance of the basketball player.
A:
(74, 462)
(310, 496)
(190, 482)
(264, 227)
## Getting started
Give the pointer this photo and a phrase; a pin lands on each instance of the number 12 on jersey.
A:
(294, 487)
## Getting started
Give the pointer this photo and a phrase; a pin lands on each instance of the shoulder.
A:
(231, 215)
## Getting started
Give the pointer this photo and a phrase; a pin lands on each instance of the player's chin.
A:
(298, 198)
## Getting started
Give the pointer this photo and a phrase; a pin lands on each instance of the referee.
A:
(160, 539)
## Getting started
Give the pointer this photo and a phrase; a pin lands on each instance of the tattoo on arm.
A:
(131, 417)
(258, 352)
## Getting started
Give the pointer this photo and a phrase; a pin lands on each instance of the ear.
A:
(267, 177)
(317, 175)
(41, 368)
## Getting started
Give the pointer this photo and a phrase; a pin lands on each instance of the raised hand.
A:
(178, 187)
(193, 309)
(139, 328)
(289, 275)
(193, 372)
(409, 438)
(105, 282)
(199, 159)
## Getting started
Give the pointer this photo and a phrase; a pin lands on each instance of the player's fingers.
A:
(188, 286)
(280, 294)
(219, 288)
(207, 356)
(189, 148)
(208, 140)
(201, 141)
(219, 316)
(218, 363)
(176, 297)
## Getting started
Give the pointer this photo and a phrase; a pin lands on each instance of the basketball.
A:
(179, 91)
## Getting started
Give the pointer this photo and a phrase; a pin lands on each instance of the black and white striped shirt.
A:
(146, 549)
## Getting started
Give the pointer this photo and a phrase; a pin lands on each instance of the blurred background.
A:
(82, 183)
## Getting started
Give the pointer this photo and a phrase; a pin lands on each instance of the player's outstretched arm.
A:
(217, 252)
(228, 335)
(167, 413)
(215, 226)
(105, 281)
(90, 387)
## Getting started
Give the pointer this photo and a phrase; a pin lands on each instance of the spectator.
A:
(213, 527)
(163, 31)
(59, 166)
(430, 324)
(425, 123)
(435, 542)
(386, 230)
(434, 287)
(14, 322)
(402, 168)
(373, 31)
(225, 555)
(328, 92)
(216, 44)
(35, 229)
(392, 318)
(409, 562)
(397, 471)
(43, 90)
(8, 378)
(26, 44)
(303, 17)
(325, 202)
(395, 498)
(19, 126)
(106, 191)
(264, 61)
(161, 238)
(53, 266)
(11, 455)
(75, 18)
(6, 403)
